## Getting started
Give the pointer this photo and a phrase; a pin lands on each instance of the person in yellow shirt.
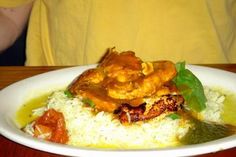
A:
(77, 32)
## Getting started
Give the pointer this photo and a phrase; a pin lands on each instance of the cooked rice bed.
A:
(103, 130)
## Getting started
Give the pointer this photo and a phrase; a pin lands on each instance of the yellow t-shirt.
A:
(76, 32)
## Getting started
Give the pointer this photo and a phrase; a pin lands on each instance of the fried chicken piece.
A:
(119, 67)
(91, 76)
(122, 67)
(143, 86)
(123, 78)
(99, 98)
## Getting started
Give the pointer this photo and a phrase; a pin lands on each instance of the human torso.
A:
(75, 32)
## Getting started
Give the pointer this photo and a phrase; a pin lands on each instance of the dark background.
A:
(15, 55)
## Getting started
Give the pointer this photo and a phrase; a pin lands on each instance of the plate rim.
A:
(224, 143)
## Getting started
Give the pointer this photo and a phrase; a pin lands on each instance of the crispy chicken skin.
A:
(128, 114)
(123, 78)
(123, 67)
(145, 85)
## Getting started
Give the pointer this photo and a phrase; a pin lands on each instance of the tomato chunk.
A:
(51, 126)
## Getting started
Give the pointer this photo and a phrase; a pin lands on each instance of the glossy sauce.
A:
(204, 132)
(229, 110)
(24, 114)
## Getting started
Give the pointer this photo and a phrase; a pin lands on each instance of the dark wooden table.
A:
(11, 74)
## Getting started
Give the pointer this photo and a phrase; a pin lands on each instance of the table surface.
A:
(11, 74)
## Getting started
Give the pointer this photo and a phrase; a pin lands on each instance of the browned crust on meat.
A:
(128, 114)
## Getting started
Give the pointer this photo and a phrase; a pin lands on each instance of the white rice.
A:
(214, 106)
(103, 130)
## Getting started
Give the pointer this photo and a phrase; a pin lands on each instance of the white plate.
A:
(13, 96)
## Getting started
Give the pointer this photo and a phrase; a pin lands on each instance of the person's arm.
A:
(12, 23)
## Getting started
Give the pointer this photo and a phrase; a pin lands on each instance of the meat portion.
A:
(144, 85)
(128, 114)
(100, 99)
(123, 67)
(123, 78)
(88, 78)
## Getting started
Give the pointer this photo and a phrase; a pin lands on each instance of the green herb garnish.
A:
(88, 102)
(174, 116)
(190, 87)
(68, 94)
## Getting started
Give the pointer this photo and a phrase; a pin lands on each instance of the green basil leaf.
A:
(190, 87)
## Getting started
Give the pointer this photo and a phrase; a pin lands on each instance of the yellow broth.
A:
(229, 110)
(24, 114)
(204, 132)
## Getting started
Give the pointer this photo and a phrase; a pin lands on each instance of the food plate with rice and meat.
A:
(123, 106)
